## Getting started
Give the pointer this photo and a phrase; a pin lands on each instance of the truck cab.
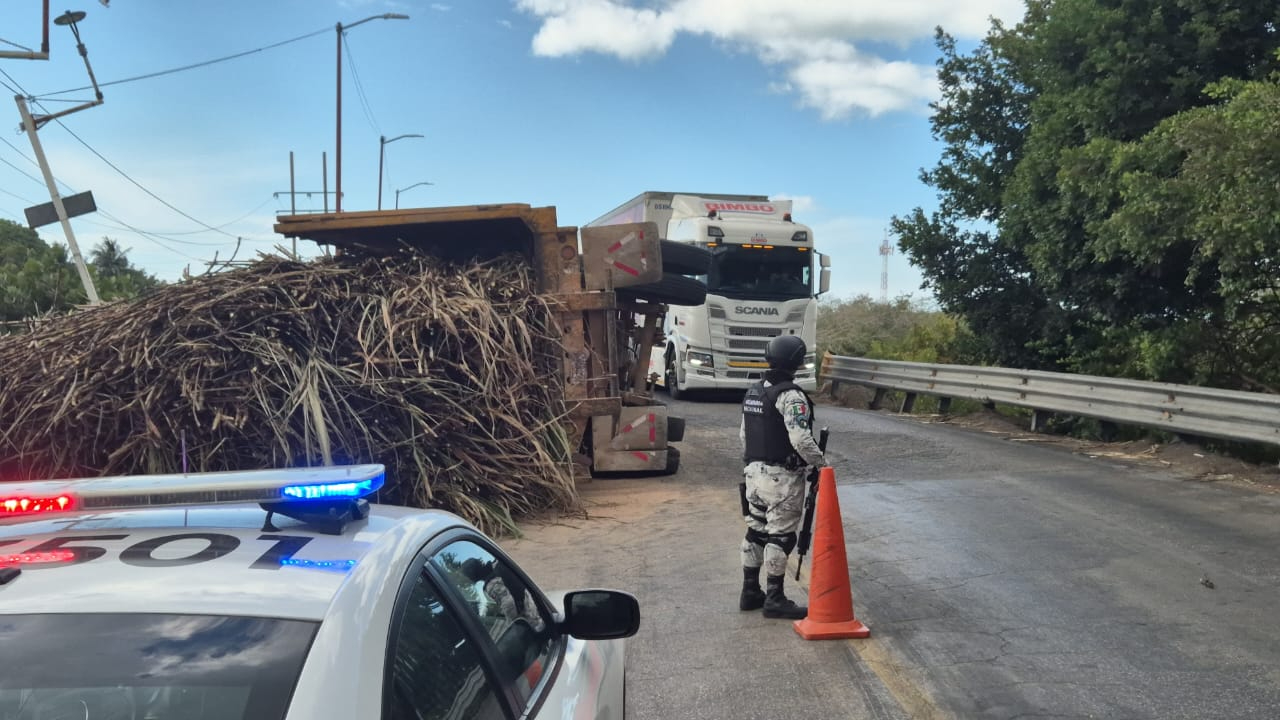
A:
(763, 282)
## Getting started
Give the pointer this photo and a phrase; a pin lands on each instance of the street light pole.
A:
(338, 157)
(382, 151)
(408, 188)
(32, 124)
(29, 124)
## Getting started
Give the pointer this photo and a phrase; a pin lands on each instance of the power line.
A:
(14, 44)
(122, 225)
(20, 170)
(13, 195)
(139, 185)
(149, 236)
(192, 66)
(18, 85)
(355, 75)
(20, 152)
(72, 191)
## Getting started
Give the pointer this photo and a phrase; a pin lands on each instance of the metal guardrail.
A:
(1184, 409)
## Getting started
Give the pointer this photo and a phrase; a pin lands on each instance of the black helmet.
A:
(786, 353)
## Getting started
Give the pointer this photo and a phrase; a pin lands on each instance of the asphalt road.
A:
(999, 580)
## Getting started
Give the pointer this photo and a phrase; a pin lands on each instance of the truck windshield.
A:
(194, 667)
(757, 274)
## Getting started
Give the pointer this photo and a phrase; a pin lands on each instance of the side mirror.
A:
(824, 281)
(600, 614)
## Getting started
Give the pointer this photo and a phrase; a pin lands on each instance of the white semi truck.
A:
(760, 284)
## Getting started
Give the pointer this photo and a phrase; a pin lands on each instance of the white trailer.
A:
(761, 284)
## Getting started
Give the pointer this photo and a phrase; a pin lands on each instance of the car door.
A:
(435, 667)
(467, 605)
(510, 613)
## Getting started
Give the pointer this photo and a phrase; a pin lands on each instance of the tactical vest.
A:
(767, 436)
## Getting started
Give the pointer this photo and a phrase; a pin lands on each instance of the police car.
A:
(282, 594)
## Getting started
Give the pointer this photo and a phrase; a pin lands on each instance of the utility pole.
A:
(32, 124)
(337, 166)
(885, 251)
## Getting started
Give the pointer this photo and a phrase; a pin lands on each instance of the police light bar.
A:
(290, 485)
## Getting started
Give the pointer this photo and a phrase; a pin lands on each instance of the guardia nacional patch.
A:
(799, 413)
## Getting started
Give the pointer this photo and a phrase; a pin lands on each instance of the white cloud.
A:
(602, 26)
(818, 44)
(440, 7)
(799, 203)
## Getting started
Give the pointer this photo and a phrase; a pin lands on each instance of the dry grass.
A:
(443, 373)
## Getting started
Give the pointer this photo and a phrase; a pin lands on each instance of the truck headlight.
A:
(698, 359)
(810, 362)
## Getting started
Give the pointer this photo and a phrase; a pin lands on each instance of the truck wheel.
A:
(672, 380)
(672, 289)
(673, 461)
(675, 429)
(685, 259)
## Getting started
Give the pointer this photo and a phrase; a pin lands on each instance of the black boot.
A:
(752, 597)
(776, 604)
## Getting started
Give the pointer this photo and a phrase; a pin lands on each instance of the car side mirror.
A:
(600, 614)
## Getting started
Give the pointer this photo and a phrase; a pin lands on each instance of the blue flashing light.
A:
(333, 490)
(333, 565)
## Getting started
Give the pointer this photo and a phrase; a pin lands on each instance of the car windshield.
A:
(129, 667)
(759, 274)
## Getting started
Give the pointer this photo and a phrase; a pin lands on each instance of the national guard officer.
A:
(778, 448)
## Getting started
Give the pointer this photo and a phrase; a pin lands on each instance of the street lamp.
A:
(382, 151)
(408, 188)
(338, 159)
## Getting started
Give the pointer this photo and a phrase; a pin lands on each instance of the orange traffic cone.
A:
(830, 598)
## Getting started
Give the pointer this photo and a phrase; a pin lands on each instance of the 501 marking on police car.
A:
(68, 550)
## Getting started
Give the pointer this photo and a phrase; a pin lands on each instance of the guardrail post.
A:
(1108, 430)
(1038, 419)
(944, 406)
(878, 401)
(908, 403)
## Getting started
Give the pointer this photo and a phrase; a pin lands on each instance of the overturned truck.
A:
(611, 289)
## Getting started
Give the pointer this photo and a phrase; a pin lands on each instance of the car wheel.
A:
(672, 289)
(684, 259)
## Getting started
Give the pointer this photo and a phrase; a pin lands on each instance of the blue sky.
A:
(580, 104)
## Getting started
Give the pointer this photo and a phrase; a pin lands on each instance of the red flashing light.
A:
(38, 558)
(32, 505)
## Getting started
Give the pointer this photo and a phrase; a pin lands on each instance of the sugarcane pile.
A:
(444, 373)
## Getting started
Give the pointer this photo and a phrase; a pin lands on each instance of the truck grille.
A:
(764, 332)
(761, 345)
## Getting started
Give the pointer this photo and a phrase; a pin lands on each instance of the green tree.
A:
(35, 277)
(1201, 188)
(114, 275)
(38, 278)
(1044, 126)
(904, 329)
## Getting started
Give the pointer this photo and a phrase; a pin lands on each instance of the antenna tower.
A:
(885, 251)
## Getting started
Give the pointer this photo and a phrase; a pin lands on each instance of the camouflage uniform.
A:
(775, 493)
